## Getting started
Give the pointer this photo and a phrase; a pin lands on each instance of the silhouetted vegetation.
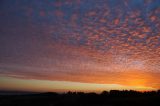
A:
(112, 98)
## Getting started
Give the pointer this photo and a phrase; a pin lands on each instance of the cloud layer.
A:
(106, 41)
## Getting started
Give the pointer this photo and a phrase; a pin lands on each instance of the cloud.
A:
(81, 41)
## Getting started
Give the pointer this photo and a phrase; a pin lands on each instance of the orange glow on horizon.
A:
(8, 83)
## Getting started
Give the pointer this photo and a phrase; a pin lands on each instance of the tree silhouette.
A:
(105, 98)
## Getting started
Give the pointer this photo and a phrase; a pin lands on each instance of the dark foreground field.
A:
(112, 98)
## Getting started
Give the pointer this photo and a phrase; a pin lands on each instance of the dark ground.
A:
(112, 98)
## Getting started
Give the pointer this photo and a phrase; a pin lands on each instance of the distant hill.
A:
(112, 98)
(5, 92)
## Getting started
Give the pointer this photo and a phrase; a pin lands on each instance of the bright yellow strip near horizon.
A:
(9, 83)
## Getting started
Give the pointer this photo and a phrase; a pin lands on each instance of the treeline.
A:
(117, 93)
(106, 98)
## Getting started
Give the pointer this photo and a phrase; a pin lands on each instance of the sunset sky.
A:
(79, 45)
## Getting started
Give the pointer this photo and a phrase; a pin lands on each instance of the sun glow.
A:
(64, 86)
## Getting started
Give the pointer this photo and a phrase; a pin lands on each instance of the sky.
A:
(79, 45)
